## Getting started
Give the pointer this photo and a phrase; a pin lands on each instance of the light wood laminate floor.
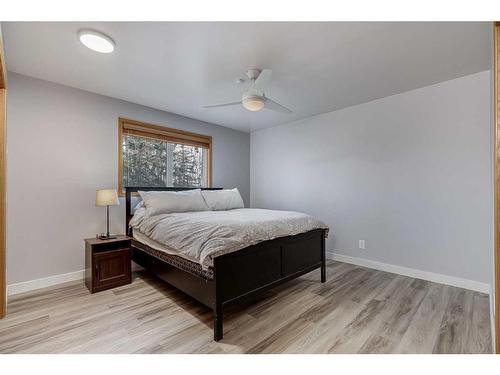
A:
(358, 310)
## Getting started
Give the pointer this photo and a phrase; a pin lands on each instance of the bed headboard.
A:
(129, 190)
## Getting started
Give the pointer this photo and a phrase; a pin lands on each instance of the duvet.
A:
(202, 236)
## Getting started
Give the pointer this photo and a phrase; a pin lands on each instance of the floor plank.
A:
(454, 326)
(422, 334)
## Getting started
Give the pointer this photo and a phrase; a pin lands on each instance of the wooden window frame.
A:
(142, 129)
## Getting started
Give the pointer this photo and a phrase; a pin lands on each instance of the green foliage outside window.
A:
(157, 163)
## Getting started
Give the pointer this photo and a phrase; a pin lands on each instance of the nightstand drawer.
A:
(115, 246)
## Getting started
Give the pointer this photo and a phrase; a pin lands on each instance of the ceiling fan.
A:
(254, 98)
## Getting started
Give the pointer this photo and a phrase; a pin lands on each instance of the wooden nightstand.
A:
(107, 263)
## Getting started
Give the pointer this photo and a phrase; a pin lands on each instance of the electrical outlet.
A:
(362, 244)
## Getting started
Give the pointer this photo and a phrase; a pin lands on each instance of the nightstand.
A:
(107, 263)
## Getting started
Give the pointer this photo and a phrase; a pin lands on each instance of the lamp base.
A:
(105, 237)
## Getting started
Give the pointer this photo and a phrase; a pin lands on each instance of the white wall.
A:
(411, 174)
(62, 146)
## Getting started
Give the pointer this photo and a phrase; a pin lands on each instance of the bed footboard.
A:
(255, 269)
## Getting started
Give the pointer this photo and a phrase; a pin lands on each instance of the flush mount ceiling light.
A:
(96, 41)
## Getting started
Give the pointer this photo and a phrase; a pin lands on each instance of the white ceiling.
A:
(317, 67)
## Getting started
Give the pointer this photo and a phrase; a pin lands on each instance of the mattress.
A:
(139, 241)
(201, 236)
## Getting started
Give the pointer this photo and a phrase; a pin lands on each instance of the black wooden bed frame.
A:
(240, 275)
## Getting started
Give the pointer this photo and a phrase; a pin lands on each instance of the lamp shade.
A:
(106, 197)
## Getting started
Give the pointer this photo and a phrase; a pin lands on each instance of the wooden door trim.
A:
(496, 105)
(3, 145)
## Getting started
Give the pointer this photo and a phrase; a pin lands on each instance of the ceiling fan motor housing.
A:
(253, 73)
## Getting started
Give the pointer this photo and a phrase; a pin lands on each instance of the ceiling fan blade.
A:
(271, 104)
(222, 105)
(262, 80)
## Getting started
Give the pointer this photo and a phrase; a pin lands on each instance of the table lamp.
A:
(106, 197)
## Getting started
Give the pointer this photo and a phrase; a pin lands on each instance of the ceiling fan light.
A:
(96, 41)
(253, 103)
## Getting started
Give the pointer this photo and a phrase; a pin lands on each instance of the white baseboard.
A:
(412, 272)
(27, 286)
(45, 282)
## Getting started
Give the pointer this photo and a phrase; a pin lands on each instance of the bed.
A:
(228, 277)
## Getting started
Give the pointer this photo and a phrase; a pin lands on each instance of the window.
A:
(155, 156)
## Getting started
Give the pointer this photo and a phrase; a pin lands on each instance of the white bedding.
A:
(201, 236)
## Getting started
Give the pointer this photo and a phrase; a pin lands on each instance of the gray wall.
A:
(411, 174)
(62, 146)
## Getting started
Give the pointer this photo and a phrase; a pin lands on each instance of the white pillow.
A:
(227, 199)
(166, 202)
(139, 205)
